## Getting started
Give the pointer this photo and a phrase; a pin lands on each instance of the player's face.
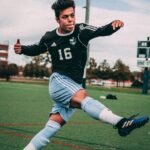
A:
(66, 20)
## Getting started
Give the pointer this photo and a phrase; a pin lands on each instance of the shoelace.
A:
(129, 121)
(133, 116)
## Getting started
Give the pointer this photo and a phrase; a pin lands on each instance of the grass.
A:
(24, 110)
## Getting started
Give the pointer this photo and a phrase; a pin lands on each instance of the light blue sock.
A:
(92, 107)
(98, 111)
(43, 137)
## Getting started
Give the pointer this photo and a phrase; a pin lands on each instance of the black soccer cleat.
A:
(125, 126)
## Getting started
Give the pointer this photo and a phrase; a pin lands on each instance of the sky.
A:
(28, 20)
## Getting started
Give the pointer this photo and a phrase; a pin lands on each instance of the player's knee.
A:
(78, 98)
(57, 118)
(80, 95)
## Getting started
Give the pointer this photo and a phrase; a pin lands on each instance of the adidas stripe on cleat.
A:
(125, 126)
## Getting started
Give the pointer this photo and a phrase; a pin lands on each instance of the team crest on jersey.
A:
(73, 41)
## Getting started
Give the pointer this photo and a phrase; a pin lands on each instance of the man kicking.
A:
(67, 46)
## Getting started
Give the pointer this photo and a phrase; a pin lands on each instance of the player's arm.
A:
(32, 50)
(108, 29)
(89, 32)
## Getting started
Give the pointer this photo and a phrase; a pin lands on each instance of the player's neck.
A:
(63, 33)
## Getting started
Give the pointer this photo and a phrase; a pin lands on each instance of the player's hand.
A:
(17, 47)
(117, 24)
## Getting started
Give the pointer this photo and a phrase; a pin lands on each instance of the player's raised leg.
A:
(98, 111)
(94, 108)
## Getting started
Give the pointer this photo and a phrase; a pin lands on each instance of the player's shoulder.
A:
(50, 35)
(80, 26)
(84, 26)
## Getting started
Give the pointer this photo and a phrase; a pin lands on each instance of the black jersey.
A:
(68, 51)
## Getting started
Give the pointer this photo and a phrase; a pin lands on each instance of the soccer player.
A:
(67, 46)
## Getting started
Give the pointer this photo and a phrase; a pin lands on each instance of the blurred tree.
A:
(35, 70)
(43, 59)
(104, 70)
(92, 64)
(8, 70)
(92, 71)
(28, 70)
(13, 69)
(121, 72)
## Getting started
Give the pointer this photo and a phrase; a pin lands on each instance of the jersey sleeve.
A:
(36, 49)
(88, 32)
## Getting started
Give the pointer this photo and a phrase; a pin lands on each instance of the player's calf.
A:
(43, 137)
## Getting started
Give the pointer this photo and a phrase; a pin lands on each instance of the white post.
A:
(87, 7)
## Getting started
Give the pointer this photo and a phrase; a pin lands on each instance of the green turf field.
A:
(24, 110)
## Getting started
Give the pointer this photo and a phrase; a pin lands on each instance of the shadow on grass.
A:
(68, 140)
(9, 147)
(16, 129)
(90, 143)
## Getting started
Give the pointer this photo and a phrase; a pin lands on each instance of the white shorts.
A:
(61, 90)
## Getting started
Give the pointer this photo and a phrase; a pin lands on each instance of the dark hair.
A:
(60, 5)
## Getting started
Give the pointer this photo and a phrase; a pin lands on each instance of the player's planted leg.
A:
(43, 137)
